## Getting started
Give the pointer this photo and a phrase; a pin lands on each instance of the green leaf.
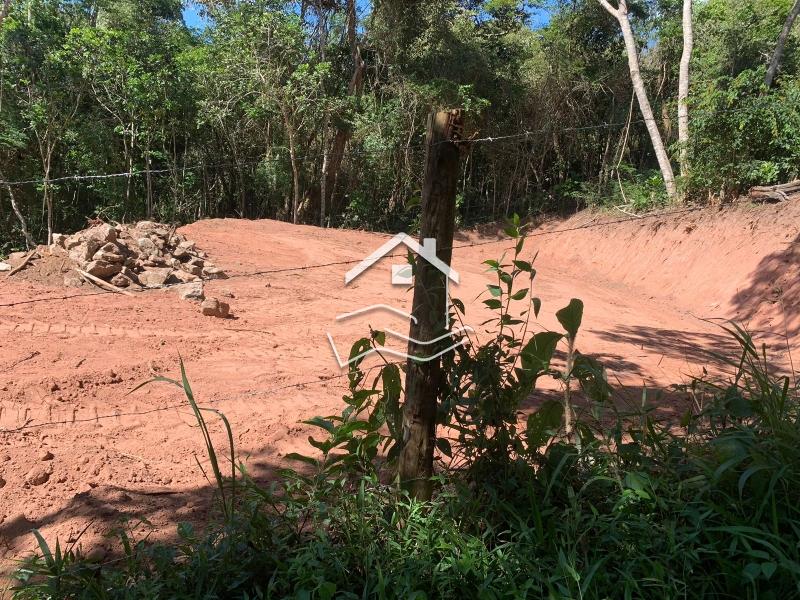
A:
(321, 423)
(459, 306)
(523, 265)
(538, 352)
(494, 290)
(520, 294)
(537, 306)
(768, 569)
(493, 303)
(543, 423)
(571, 316)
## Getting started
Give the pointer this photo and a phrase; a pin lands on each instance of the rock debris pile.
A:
(143, 255)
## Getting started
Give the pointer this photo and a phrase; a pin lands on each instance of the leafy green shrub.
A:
(743, 135)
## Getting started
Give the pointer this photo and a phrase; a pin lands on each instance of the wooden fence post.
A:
(424, 379)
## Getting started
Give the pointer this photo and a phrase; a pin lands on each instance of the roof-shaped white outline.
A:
(427, 251)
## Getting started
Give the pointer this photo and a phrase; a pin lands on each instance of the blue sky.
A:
(193, 18)
(191, 14)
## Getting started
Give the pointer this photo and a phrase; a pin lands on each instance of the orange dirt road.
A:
(646, 284)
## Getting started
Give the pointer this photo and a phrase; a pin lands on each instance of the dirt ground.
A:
(647, 285)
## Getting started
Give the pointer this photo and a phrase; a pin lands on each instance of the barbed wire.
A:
(361, 152)
(195, 167)
(281, 270)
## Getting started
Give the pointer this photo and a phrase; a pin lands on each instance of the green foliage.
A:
(639, 509)
(250, 115)
(744, 136)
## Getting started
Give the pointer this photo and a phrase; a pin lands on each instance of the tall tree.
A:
(683, 86)
(777, 56)
(620, 13)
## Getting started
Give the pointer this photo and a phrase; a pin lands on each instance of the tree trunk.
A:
(424, 379)
(48, 199)
(22, 223)
(621, 14)
(149, 176)
(295, 170)
(354, 89)
(6, 8)
(777, 56)
(683, 87)
(324, 178)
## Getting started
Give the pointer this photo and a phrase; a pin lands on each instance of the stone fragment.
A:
(103, 269)
(37, 476)
(211, 307)
(120, 281)
(213, 273)
(72, 279)
(191, 291)
(147, 246)
(46, 455)
(59, 239)
(130, 275)
(110, 253)
(154, 277)
(184, 276)
(5, 266)
(101, 233)
(2, 482)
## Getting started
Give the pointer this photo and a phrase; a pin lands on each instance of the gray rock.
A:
(154, 277)
(147, 246)
(191, 291)
(72, 241)
(130, 275)
(5, 266)
(84, 251)
(213, 273)
(111, 253)
(120, 280)
(103, 269)
(184, 276)
(72, 279)
(59, 239)
(101, 233)
(211, 307)
(37, 476)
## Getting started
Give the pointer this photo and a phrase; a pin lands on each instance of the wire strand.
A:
(350, 261)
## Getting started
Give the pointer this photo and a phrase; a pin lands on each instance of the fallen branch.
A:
(23, 264)
(103, 284)
(778, 193)
(625, 212)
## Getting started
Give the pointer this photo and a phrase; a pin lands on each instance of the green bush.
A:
(743, 135)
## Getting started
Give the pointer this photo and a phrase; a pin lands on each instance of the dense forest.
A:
(315, 111)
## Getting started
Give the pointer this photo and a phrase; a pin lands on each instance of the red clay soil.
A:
(646, 283)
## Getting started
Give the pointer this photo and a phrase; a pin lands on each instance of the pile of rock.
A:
(145, 255)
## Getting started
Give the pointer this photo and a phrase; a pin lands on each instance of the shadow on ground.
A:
(775, 289)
